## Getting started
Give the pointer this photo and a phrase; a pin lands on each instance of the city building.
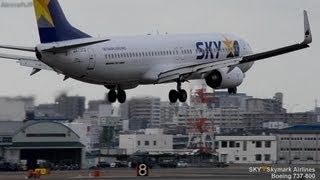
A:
(182, 116)
(180, 141)
(89, 135)
(15, 108)
(167, 112)
(299, 144)
(275, 125)
(70, 107)
(152, 141)
(46, 110)
(228, 119)
(257, 105)
(144, 113)
(254, 121)
(94, 104)
(224, 99)
(246, 149)
(99, 126)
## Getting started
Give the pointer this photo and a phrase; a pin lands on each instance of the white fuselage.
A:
(131, 61)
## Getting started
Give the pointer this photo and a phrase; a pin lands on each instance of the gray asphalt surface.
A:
(229, 173)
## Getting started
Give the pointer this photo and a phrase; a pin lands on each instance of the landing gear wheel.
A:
(232, 90)
(183, 95)
(112, 96)
(173, 96)
(122, 96)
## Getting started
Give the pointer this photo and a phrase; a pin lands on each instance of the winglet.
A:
(307, 30)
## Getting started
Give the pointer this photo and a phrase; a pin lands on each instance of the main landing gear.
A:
(180, 94)
(120, 94)
(232, 90)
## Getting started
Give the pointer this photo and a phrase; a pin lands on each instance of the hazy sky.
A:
(265, 24)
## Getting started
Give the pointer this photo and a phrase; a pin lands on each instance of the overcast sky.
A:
(265, 24)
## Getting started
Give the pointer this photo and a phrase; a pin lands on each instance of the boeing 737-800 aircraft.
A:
(121, 63)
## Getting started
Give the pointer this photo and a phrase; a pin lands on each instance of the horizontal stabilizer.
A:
(19, 48)
(27, 61)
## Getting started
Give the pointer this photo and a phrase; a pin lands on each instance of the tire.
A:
(122, 96)
(112, 96)
(183, 96)
(232, 90)
(235, 90)
(173, 96)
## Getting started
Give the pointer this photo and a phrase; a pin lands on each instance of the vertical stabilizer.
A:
(52, 23)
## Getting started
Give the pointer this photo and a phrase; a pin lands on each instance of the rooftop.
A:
(8, 128)
(304, 129)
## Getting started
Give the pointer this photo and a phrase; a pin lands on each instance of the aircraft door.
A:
(92, 59)
(179, 55)
(182, 53)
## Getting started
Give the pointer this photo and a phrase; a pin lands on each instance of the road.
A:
(229, 173)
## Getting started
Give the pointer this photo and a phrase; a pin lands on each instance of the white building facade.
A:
(89, 134)
(151, 141)
(247, 149)
(13, 109)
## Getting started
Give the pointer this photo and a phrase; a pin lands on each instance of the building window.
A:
(139, 143)
(237, 144)
(237, 158)
(6, 139)
(154, 143)
(46, 135)
(244, 159)
(146, 143)
(258, 157)
(267, 144)
(224, 144)
(258, 144)
(216, 144)
(267, 157)
(231, 144)
(244, 145)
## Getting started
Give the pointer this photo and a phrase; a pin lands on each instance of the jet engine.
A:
(221, 79)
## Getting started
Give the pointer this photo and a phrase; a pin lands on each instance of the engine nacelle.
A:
(221, 79)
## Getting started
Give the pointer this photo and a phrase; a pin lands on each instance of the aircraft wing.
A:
(276, 52)
(28, 62)
(183, 73)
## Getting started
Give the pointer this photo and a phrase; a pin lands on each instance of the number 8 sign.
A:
(142, 170)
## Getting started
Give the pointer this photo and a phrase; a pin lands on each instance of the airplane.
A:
(121, 63)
